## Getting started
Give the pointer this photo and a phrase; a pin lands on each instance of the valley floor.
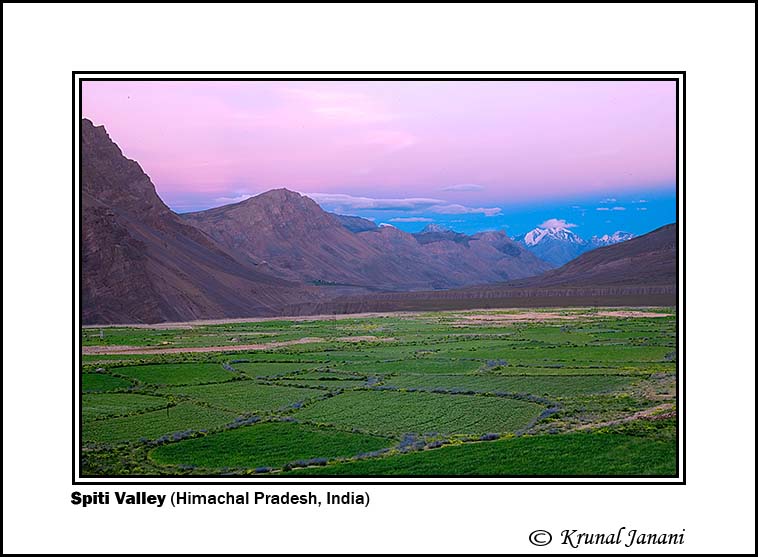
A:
(553, 392)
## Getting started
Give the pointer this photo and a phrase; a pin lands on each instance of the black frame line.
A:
(404, 72)
(379, 79)
(679, 478)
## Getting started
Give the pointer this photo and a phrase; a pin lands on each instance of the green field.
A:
(483, 393)
(268, 369)
(556, 386)
(572, 454)
(152, 425)
(177, 374)
(414, 365)
(272, 444)
(96, 406)
(244, 396)
(99, 383)
(387, 412)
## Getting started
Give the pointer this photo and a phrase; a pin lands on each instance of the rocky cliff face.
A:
(142, 263)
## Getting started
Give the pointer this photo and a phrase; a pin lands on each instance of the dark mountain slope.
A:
(292, 237)
(142, 263)
(646, 260)
(355, 224)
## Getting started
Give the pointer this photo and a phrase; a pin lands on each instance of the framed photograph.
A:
(378, 277)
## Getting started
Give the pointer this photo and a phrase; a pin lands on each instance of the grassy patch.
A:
(576, 454)
(96, 406)
(550, 386)
(260, 369)
(246, 396)
(152, 425)
(414, 365)
(100, 383)
(176, 374)
(271, 444)
(388, 412)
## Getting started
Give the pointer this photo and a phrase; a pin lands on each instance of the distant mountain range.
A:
(649, 259)
(641, 271)
(437, 233)
(288, 235)
(610, 239)
(559, 244)
(279, 252)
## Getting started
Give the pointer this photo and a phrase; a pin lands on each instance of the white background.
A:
(42, 44)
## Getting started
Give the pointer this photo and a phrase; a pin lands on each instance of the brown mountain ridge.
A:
(639, 272)
(292, 237)
(279, 253)
(142, 264)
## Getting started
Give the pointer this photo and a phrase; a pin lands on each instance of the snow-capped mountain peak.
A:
(554, 242)
(609, 239)
(563, 234)
(435, 228)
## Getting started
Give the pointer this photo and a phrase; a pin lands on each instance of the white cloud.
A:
(343, 203)
(608, 200)
(439, 206)
(411, 219)
(560, 224)
(640, 201)
(347, 214)
(602, 209)
(610, 209)
(353, 202)
(619, 209)
(642, 208)
(455, 209)
(463, 187)
(229, 200)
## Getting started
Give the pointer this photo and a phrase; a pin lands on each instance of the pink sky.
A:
(482, 142)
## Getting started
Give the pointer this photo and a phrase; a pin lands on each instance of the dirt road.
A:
(231, 348)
